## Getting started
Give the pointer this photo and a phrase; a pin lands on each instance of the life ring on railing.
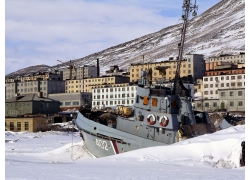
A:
(163, 121)
(149, 119)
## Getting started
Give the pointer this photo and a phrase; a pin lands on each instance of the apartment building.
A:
(113, 96)
(74, 86)
(212, 84)
(90, 83)
(80, 72)
(222, 92)
(29, 112)
(45, 86)
(238, 60)
(193, 66)
(33, 77)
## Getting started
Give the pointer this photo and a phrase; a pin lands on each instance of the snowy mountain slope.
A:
(219, 30)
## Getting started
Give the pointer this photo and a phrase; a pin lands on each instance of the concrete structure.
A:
(30, 104)
(229, 99)
(213, 62)
(30, 124)
(212, 84)
(72, 100)
(113, 96)
(90, 83)
(74, 86)
(193, 66)
(33, 77)
(80, 72)
(45, 86)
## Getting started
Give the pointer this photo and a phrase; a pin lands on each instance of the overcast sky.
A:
(42, 31)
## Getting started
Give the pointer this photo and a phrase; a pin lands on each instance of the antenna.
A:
(186, 9)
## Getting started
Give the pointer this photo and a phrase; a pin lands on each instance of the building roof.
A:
(29, 97)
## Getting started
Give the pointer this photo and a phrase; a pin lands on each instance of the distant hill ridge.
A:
(219, 30)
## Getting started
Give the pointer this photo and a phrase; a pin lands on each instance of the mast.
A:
(186, 9)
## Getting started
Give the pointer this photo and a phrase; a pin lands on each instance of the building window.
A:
(11, 126)
(211, 92)
(205, 79)
(240, 103)
(222, 94)
(222, 85)
(206, 104)
(205, 85)
(75, 103)
(233, 84)
(205, 92)
(19, 126)
(239, 93)
(67, 103)
(211, 85)
(231, 104)
(26, 126)
(231, 93)
(214, 104)
(239, 83)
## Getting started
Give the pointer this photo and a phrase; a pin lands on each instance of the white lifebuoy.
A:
(149, 119)
(164, 121)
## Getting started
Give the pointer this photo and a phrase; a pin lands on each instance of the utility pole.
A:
(186, 9)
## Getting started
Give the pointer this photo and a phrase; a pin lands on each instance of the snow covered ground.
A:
(50, 155)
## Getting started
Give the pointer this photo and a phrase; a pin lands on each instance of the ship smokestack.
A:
(98, 68)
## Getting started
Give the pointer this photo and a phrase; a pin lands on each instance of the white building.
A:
(212, 84)
(113, 96)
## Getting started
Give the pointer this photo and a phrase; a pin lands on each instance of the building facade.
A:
(80, 72)
(213, 84)
(213, 62)
(193, 66)
(45, 86)
(90, 83)
(30, 104)
(72, 100)
(113, 96)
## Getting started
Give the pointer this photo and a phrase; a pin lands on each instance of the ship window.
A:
(137, 99)
(145, 100)
(154, 101)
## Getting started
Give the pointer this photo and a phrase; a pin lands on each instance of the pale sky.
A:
(44, 31)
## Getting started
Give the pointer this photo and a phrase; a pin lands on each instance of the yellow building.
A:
(102, 81)
(73, 86)
(194, 65)
(33, 123)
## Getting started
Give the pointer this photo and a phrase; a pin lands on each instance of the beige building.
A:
(33, 77)
(74, 86)
(194, 65)
(27, 87)
(213, 62)
(103, 81)
(33, 123)
(80, 72)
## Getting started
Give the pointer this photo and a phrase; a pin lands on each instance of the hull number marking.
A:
(102, 144)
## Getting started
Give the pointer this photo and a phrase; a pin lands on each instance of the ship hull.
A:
(101, 140)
